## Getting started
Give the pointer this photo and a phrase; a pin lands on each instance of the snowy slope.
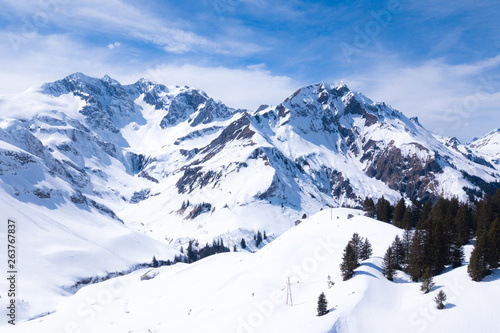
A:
(488, 147)
(59, 246)
(246, 292)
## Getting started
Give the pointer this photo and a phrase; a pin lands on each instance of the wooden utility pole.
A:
(289, 292)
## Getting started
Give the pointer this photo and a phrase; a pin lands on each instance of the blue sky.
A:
(438, 60)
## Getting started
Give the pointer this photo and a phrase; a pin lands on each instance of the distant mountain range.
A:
(172, 161)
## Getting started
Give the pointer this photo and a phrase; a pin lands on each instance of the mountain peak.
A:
(108, 79)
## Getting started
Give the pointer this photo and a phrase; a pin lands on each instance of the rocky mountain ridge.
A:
(125, 149)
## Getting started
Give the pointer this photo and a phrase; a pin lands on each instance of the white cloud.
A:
(115, 17)
(114, 45)
(48, 58)
(40, 59)
(238, 88)
(453, 100)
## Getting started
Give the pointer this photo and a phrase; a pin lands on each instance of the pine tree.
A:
(399, 252)
(243, 243)
(191, 253)
(478, 267)
(369, 207)
(426, 210)
(357, 245)
(258, 241)
(493, 241)
(406, 241)
(437, 247)
(412, 215)
(154, 263)
(366, 250)
(349, 263)
(322, 305)
(388, 265)
(399, 212)
(427, 281)
(384, 210)
(415, 262)
(456, 253)
(440, 299)
(463, 224)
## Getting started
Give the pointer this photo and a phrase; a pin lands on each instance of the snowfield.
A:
(247, 292)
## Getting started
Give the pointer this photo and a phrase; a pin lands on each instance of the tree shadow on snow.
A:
(366, 273)
(369, 264)
(494, 276)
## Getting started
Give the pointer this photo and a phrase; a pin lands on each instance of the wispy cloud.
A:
(452, 100)
(238, 88)
(115, 17)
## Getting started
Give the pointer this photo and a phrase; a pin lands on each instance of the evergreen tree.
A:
(427, 281)
(478, 267)
(412, 214)
(456, 253)
(495, 203)
(258, 241)
(384, 210)
(322, 305)
(154, 263)
(389, 264)
(426, 211)
(243, 243)
(463, 224)
(406, 242)
(349, 263)
(369, 207)
(415, 262)
(357, 245)
(399, 252)
(366, 250)
(399, 212)
(493, 245)
(191, 255)
(440, 299)
(437, 248)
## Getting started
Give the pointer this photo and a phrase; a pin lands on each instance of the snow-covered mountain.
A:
(96, 170)
(193, 164)
(488, 147)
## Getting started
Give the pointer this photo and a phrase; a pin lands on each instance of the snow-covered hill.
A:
(246, 292)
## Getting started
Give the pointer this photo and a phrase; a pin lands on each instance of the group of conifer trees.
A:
(435, 235)
(356, 250)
